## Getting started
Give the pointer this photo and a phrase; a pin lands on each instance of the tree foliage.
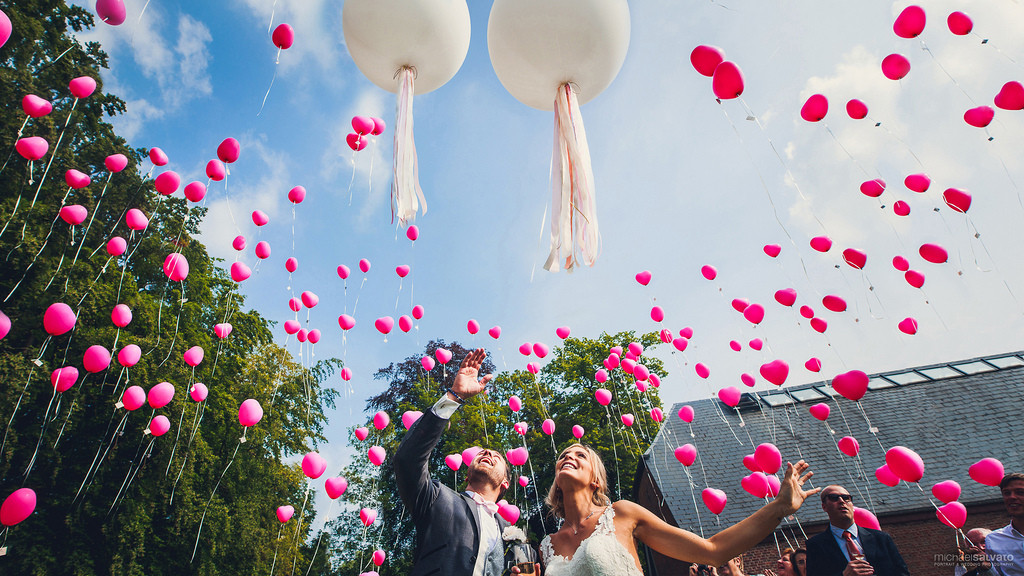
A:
(113, 499)
(562, 391)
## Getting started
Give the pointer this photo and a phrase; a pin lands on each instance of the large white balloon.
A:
(384, 36)
(536, 46)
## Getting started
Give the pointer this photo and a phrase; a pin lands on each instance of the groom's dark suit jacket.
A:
(447, 524)
(824, 558)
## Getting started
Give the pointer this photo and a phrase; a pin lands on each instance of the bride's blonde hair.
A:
(600, 494)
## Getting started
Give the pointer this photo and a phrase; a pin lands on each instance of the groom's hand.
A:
(465, 384)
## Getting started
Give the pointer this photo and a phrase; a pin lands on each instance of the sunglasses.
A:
(838, 497)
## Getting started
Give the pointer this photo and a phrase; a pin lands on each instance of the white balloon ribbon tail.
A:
(406, 194)
(575, 237)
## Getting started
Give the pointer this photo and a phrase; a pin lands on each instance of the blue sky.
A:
(681, 181)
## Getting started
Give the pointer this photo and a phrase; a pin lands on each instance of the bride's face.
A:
(574, 466)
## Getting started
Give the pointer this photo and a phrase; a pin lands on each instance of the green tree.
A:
(562, 391)
(112, 499)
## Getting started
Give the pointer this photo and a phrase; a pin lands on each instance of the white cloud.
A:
(193, 38)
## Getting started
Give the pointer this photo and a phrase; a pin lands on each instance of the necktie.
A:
(851, 546)
(491, 507)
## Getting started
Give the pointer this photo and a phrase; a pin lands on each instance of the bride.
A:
(597, 536)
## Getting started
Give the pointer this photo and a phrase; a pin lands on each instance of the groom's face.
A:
(489, 465)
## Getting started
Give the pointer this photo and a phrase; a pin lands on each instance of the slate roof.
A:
(951, 414)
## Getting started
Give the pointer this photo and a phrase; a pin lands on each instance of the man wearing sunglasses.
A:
(846, 549)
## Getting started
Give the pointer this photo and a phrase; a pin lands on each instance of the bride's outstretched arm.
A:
(728, 543)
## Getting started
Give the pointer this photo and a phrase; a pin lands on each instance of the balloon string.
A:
(17, 405)
(269, 88)
(174, 447)
(42, 435)
(54, 153)
(615, 452)
(97, 460)
(14, 147)
(207, 509)
(406, 194)
(925, 48)
(139, 22)
(298, 527)
(46, 241)
(277, 544)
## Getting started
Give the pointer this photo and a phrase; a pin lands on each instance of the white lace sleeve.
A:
(546, 551)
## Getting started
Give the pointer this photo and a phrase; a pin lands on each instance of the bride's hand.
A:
(791, 493)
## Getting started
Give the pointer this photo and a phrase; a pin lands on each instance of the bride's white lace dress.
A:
(600, 554)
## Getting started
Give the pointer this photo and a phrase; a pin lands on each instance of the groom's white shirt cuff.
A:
(445, 407)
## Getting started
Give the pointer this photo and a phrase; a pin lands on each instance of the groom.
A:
(456, 533)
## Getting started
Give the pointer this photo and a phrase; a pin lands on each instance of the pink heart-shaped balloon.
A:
(979, 117)
(680, 344)
(953, 514)
(409, 417)
(848, 445)
(381, 420)
(946, 491)
(384, 324)
(562, 332)
(37, 107)
(686, 414)
(820, 411)
(346, 322)
(510, 512)
(987, 471)
(367, 516)
(786, 297)
(472, 326)
(453, 461)
(748, 380)
(336, 486)
(834, 303)
(714, 499)
(494, 332)
(74, 214)
(578, 431)
(959, 200)
(908, 326)
(914, 278)
(813, 365)
(906, 464)
(865, 519)
(884, 475)
(541, 349)
(821, 243)
(686, 454)
(362, 432)
(933, 253)
(427, 362)
(702, 370)
(76, 179)
(706, 58)
(524, 481)
(756, 484)
(627, 419)
(754, 313)
(644, 278)
(730, 396)
(404, 323)
(443, 355)
(775, 372)
(515, 403)
(521, 428)
(240, 272)
(548, 426)
(727, 81)
(403, 271)
(852, 385)
(750, 464)
(284, 513)
(1010, 97)
(469, 453)
(376, 455)
(756, 344)
(518, 456)
(772, 250)
(32, 148)
(603, 396)
(768, 457)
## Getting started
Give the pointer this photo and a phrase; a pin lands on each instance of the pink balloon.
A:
(895, 66)
(910, 23)
(32, 148)
(627, 419)
(756, 344)
(979, 117)
(346, 322)
(578, 431)
(856, 109)
(740, 304)
(736, 346)
(413, 232)
(263, 250)
(946, 491)
(417, 312)
(167, 183)
(409, 417)
(355, 142)
(1010, 96)
(222, 330)
(873, 188)
(381, 420)
(362, 432)
(819, 325)
(301, 335)
(238, 243)
(515, 403)
(158, 157)
(343, 272)
(313, 465)
(291, 327)
(74, 214)
(959, 23)
(510, 512)
(747, 380)
(706, 58)
(362, 125)
(195, 191)
(367, 516)
(314, 336)
(364, 266)
(159, 425)
(643, 278)
(957, 199)
(851, 385)
(834, 303)
(730, 396)
(283, 36)
(865, 519)
(520, 428)
(807, 312)
(240, 272)
(686, 454)
(5, 325)
(848, 445)
(403, 271)
(933, 253)
(755, 484)
(160, 395)
(714, 499)
(34, 106)
(772, 250)
(665, 335)
(524, 481)
(657, 314)
(775, 372)
(378, 128)
(199, 392)
(336, 487)
(469, 454)
(820, 411)
(20, 504)
(517, 456)
(260, 218)
(727, 81)
(5, 28)
(548, 426)
(541, 349)
(291, 265)
(250, 413)
(686, 414)
(750, 464)
(821, 243)
(768, 458)
(59, 319)
(702, 370)
(117, 246)
(129, 356)
(786, 297)
(116, 162)
(215, 170)
(443, 355)
(121, 315)
(296, 195)
(987, 471)
(886, 476)
(905, 463)
(815, 108)
(813, 365)
(603, 396)
(82, 87)
(855, 258)
(601, 376)
(133, 398)
(309, 299)
(229, 150)
(194, 356)
(914, 278)
(953, 514)
(708, 272)
(901, 208)
(754, 313)
(284, 513)
(64, 378)
(404, 323)
(112, 12)
(96, 359)
(562, 332)
(917, 182)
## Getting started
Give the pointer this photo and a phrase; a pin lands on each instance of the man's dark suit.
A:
(824, 558)
(447, 524)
